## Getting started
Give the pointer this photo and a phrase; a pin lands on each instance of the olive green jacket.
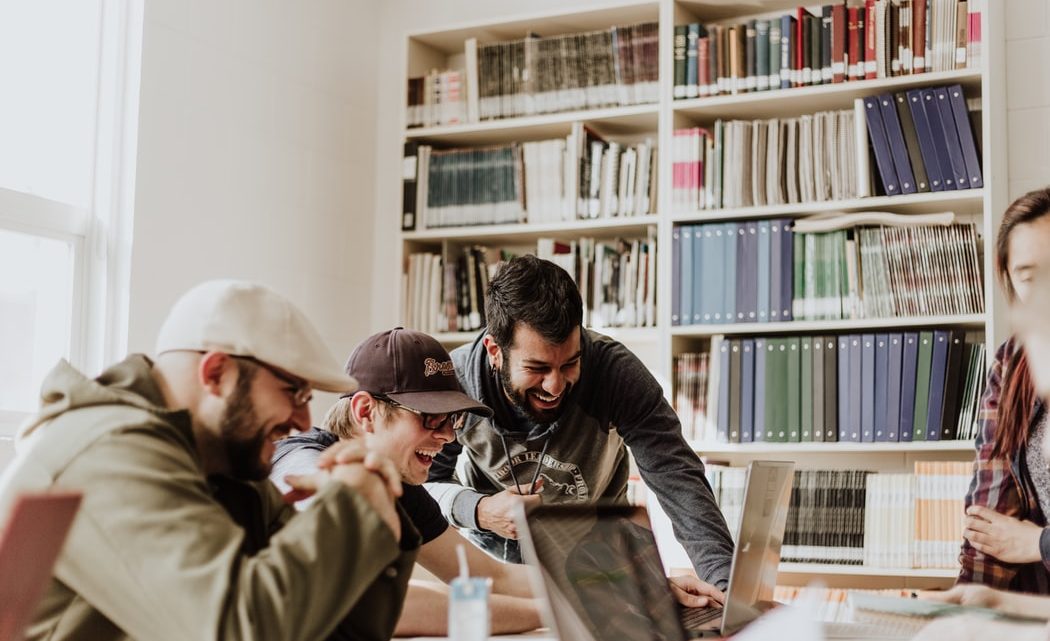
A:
(155, 552)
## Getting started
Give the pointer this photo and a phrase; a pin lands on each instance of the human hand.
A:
(351, 451)
(975, 628)
(1004, 537)
(691, 592)
(496, 511)
(965, 594)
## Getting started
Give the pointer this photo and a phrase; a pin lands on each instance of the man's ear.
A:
(211, 369)
(494, 351)
(363, 409)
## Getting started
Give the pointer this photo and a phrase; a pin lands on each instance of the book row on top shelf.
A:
(611, 57)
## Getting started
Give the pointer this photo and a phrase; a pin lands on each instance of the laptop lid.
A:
(756, 556)
(601, 571)
(29, 545)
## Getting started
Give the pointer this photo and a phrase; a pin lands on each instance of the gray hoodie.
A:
(616, 404)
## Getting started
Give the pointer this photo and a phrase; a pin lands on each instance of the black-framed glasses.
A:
(432, 422)
(300, 391)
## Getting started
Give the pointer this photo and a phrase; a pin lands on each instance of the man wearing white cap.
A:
(180, 535)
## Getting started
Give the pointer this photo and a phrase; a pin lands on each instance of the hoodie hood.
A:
(129, 383)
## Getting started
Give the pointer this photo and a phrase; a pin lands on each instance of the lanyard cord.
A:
(539, 463)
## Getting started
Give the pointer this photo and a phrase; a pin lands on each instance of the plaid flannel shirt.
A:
(1004, 486)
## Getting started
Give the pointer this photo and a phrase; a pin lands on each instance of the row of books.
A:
(738, 163)
(577, 177)
(767, 271)
(923, 140)
(885, 387)
(617, 278)
(885, 272)
(448, 294)
(436, 99)
(879, 39)
(617, 281)
(536, 75)
(853, 517)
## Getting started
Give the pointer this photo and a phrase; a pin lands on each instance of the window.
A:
(68, 119)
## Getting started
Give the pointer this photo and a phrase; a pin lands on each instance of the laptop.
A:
(600, 569)
(29, 545)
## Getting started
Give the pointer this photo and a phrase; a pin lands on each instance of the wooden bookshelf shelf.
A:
(863, 570)
(927, 203)
(599, 227)
(976, 321)
(830, 448)
(614, 121)
(780, 102)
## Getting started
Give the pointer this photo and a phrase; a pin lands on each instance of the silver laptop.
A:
(601, 572)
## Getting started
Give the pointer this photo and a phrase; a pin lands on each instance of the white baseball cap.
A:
(246, 319)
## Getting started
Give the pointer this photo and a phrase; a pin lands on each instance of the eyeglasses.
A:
(432, 422)
(300, 391)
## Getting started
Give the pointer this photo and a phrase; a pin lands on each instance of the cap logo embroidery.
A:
(431, 367)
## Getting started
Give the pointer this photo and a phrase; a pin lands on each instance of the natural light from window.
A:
(36, 301)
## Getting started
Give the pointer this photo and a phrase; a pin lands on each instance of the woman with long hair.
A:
(1006, 542)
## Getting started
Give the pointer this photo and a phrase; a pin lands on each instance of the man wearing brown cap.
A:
(179, 535)
(408, 407)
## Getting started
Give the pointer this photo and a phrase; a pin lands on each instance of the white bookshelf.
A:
(657, 346)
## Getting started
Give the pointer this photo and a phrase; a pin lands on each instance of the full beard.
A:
(242, 437)
(521, 401)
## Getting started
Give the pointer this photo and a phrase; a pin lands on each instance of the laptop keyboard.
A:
(694, 618)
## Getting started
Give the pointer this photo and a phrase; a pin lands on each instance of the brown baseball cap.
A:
(413, 369)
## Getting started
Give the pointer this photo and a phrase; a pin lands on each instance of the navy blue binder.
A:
(909, 367)
(676, 275)
(787, 51)
(951, 138)
(856, 382)
(735, 389)
(747, 390)
(926, 146)
(867, 388)
(882, 363)
(898, 150)
(938, 371)
(843, 388)
(746, 273)
(880, 145)
(776, 246)
(787, 267)
(940, 145)
(962, 125)
(893, 386)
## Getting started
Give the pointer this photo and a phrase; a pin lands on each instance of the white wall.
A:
(255, 159)
(1028, 94)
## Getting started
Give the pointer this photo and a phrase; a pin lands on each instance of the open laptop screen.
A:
(601, 565)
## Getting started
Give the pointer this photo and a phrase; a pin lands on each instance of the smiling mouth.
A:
(544, 400)
(426, 457)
